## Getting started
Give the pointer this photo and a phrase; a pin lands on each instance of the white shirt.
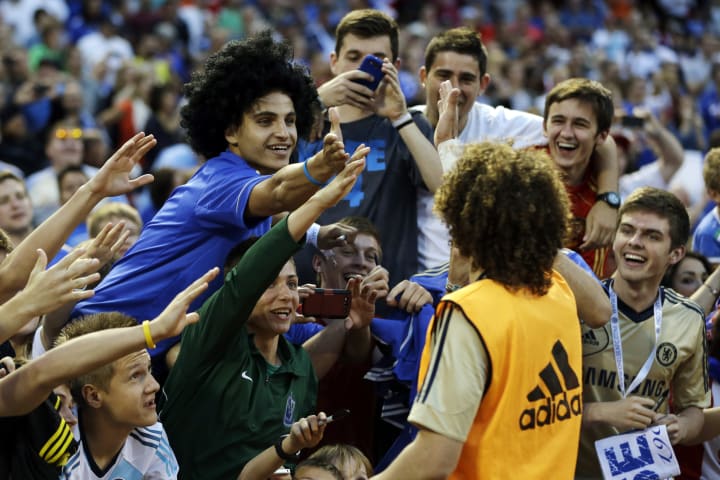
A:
(146, 455)
(485, 123)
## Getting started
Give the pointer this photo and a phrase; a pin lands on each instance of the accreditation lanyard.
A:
(617, 343)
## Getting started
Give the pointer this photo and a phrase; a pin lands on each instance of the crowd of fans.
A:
(250, 109)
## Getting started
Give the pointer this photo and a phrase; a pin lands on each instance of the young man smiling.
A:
(458, 57)
(245, 112)
(655, 327)
(403, 160)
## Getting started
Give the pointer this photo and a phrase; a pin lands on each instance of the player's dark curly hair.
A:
(233, 79)
(508, 212)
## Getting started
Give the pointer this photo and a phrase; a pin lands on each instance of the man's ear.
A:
(422, 75)
(92, 395)
(601, 137)
(231, 135)
(333, 62)
(317, 260)
(484, 82)
(677, 254)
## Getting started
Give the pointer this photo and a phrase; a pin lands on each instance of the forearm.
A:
(692, 419)
(704, 295)
(593, 413)
(357, 345)
(14, 314)
(49, 236)
(262, 465)
(286, 190)
(593, 305)
(430, 456)
(30, 385)
(710, 428)
(608, 170)
(425, 155)
(325, 347)
(303, 217)
(671, 153)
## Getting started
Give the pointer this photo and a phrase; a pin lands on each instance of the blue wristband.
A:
(310, 177)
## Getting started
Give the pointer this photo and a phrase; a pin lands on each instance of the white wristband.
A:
(403, 120)
(312, 234)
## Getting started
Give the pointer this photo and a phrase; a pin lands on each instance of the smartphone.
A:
(632, 121)
(327, 303)
(372, 65)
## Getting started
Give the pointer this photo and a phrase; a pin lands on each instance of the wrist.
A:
(286, 450)
(318, 169)
(401, 120)
(90, 193)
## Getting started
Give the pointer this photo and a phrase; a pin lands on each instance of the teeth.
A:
(637, 258)
(279, 148)
(566, 145)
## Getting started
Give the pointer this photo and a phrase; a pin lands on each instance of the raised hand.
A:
(113, 178)
(107, 243)
(344, 90)
(389, 98)
(341, 185)
(447, 126)
(335, 235)
(175, 318)
(305, 433)
(64, 282)
(409, 296)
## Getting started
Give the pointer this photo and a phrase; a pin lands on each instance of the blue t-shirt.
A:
(706, 239)
(194, 231)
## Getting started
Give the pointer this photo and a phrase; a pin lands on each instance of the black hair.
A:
(236, 77)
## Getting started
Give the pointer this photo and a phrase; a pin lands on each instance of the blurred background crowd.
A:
(110, 68)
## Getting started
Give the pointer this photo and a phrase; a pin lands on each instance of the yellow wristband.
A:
(148, 338)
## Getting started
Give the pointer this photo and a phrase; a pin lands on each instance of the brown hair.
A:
(367, 23)
(586, 91)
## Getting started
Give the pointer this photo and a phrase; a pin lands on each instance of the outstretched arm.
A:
(27, 387)
(112, 179)
(593, 305)
(290, 186)
(390, 103)
(46, 290)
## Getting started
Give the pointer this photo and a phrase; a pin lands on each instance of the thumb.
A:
(335, 122)
(40, 263)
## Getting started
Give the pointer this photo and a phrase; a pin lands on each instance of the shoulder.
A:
(687, 309)
(150, 437)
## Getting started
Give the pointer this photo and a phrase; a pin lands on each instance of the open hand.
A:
(113, 178)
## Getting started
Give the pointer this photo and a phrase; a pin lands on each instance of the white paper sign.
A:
(638, 455)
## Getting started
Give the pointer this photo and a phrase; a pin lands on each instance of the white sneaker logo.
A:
(245, 376)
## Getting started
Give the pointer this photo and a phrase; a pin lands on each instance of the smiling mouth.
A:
(634, 258)
(279, 148)
(283, 313)
(566, 146)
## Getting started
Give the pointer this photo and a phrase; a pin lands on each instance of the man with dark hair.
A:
(654, 325)
(459, 57)
(480, 424)
(403, 160)
(16, 211)
(577, 118)
(245, 111)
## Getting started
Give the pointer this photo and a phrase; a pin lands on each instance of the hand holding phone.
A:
(327, 303)
(372, 65)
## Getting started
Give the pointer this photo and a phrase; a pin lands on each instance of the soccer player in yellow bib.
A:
(500, 393)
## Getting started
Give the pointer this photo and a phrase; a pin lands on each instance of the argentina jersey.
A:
(145, 455)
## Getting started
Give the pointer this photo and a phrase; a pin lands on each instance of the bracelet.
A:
(451, 287)
(311, 236)
(310, 178)
(148, 337)
(714, 291)
(403, 121)
(288, 457)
